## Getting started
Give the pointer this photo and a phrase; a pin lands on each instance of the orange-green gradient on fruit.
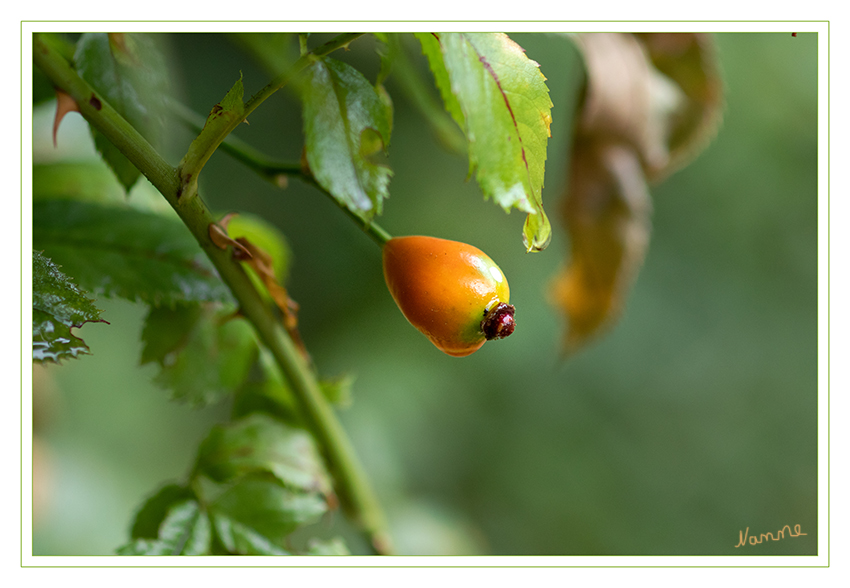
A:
(444, 288)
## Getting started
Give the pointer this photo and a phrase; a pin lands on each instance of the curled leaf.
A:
(651, 102)
(220, 239)
(263, 265)
(627, 100)
(690, 61)
(607, 214)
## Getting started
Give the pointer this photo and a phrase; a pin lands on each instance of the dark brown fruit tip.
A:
(499, 322)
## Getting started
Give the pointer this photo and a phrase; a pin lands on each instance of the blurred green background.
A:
(691, 420)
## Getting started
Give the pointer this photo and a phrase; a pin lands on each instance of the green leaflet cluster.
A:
(255, 481)
(259, 477)
(492, 91)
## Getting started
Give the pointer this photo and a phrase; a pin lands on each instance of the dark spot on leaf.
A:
(95, 102)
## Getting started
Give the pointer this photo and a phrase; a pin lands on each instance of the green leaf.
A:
(153, 512)
(93, 181)
(57, 306)
(338, 390)
(266, 391)
(125, 252)
(335, 546)
(258, 508)
(166, 330)
(186, 530)
(259, 443)
(129, 71)
(346, 123)
(387, 49)
(243, 540)
(506, 116)
(432, 49)
(203, 352)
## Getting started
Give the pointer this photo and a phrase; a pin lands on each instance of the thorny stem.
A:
(351, 484)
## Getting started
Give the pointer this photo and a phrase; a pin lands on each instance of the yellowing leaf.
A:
(607, 216)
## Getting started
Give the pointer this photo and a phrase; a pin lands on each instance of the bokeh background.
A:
(691, 420)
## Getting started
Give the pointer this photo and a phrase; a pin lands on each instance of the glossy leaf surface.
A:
(57, 306)
(347, 125)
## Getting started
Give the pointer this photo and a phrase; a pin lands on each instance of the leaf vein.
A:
(494, 75)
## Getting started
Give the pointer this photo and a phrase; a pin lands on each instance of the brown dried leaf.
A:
(652, 101)
(627, 99)
(64, 105)
(690, 61)
(219, 237)
(263, 265)
(607, 213)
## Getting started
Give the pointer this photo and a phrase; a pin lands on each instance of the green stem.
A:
(276, 172)
(352, 486)
(220, 127)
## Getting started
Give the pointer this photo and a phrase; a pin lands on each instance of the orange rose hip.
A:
(452, 292)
